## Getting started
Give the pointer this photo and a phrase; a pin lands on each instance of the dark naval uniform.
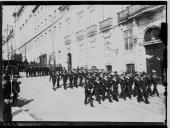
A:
(115, 81)
(58, 79)
(123, 87)
(129, 83)
(75, 75)
(64, 77)
(70, 75)
(155, 79)
(88, 92)
(80, 79)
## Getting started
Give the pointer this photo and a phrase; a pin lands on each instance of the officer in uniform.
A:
(53, 77)
(6, 88)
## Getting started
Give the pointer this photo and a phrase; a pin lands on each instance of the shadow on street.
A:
(21, 102)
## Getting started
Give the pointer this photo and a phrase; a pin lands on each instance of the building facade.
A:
(8, 46)
(102, 36)
(141, 25)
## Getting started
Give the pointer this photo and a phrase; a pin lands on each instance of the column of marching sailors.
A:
(101, 85)
(98, 84)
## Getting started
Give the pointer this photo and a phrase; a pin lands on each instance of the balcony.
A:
(35, 8)
(92, 30)
(80, 34)
(105, 24)
(132, 11)
(67, 39)
(63, 7)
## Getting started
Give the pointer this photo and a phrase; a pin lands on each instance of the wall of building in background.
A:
(91, 33)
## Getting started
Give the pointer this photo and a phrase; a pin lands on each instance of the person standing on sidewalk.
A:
(6, 87)
(15, 88)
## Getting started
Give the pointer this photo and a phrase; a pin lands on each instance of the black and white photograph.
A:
(84, 62)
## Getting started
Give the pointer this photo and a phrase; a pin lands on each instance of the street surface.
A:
(42, 103)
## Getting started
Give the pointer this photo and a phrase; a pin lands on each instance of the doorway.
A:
(155, 61)
(43, 59)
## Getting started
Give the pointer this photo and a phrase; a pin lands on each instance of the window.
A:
(109, 67)
(128, 39)
(130, 68)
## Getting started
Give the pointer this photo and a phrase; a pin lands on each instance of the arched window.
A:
(152, 34)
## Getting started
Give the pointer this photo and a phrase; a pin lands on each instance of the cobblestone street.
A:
(42, 103)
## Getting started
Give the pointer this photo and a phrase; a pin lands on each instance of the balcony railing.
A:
(20, 10)
(132, 10)
(80, 34)
(67, 39)
(105, 24)
(10, 35)
(92, 30)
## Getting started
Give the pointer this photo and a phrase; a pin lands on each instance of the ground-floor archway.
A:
(155, 58)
